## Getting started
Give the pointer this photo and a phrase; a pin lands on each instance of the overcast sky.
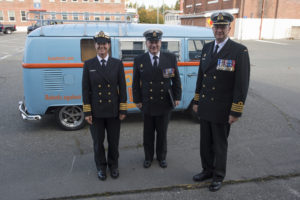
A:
(154, 3)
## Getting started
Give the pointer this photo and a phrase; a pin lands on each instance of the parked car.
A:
(7, 28)
(39, 24)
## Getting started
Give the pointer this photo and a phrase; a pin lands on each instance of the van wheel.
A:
(8, 31)
(70, 118)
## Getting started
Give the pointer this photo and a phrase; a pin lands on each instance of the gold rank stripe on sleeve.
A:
(237, 107)
(123, 106)
(87, 108)
(197, 97)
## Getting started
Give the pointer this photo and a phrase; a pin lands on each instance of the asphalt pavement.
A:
(40, 161)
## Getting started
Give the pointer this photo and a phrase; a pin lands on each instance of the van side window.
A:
(130, 49)
(195, 49)
(171, 47)
(87, 48)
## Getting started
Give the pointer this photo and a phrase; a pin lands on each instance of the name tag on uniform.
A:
(168, 72)
(226, 65)
(92, 70)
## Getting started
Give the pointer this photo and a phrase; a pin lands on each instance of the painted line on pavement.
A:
(271, 42)
(178, 187)
(3, 57)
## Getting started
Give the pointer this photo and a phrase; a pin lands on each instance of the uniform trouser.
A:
(112, 127)
(160, 125)
(213, 148)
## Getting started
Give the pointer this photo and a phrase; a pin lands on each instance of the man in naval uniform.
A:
(221, 90)
(104, 103)
(156, 91)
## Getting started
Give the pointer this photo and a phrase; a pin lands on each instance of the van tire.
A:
(8, 31)
(70, 118)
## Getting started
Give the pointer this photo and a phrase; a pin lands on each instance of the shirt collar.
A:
(151, 55)
(106, 58)
(221, 44)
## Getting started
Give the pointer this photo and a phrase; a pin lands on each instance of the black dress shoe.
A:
(202, 176)
(114, 173)
(163, 164)
(215, 186)
(102, 175)
(147, 163)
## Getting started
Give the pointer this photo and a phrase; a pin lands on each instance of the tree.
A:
(177, 5)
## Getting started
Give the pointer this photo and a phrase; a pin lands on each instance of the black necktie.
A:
(155, 61)
(103, 63)
(216, 50)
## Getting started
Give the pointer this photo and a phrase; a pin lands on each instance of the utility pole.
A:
(157, 14)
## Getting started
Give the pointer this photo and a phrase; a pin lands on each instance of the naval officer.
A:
(156, 91)
(221, 90)
(104, 104)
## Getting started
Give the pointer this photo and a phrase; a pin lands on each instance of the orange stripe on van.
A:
(80, 65)
(52, 65)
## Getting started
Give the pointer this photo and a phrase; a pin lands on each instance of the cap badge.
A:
(220, 17)
(154, 34)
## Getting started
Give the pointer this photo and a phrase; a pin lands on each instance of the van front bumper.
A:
(25, 115)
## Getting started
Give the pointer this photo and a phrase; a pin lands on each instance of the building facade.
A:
(173, 17)
(15, 11)
(254, 19)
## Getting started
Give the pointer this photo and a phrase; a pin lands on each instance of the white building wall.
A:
(248, 29)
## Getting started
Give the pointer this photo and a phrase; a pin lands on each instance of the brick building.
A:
(254, 19)
(15, 11)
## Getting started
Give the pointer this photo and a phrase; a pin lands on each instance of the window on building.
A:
(74, 0)
(75, 16)
(189, 6)
(23, 16)
(53, 15)
(213, 1)
(106, 1)
(97, 18)
(198, 4)
(226, 0)
(21, 0)
(11, 16)
(51, 1)
(64, 16)
(1, 15)
(9, 0)
(36, 1)
(63, 0)
(107, 18)
(117, 1)
(85, 1)
(96, 1)
(118, 18)
(86, 16)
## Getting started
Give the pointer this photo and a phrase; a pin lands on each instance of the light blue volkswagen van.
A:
(54, 56)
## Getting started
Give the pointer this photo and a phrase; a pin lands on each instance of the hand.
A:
(122, 116)
(195, 108)
(139, 105)
(177, 103)
(232, 119)
(89, 119)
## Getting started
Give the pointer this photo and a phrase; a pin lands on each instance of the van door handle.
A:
(192, 74)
